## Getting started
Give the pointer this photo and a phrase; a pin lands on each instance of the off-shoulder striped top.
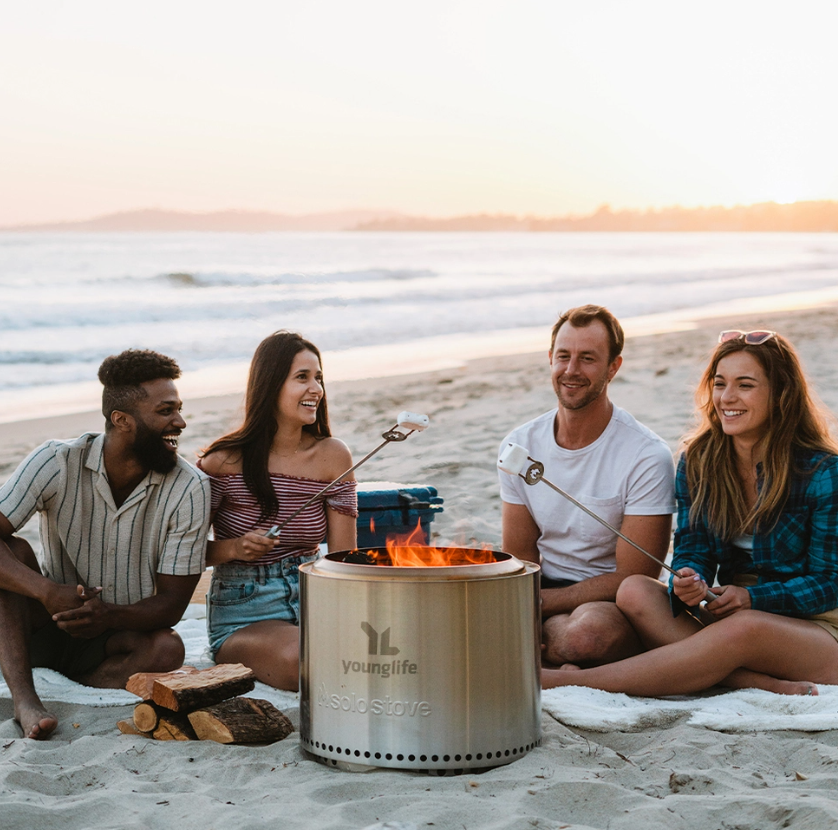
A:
(236, 511)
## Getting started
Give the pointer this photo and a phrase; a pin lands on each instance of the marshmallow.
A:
(514, 459)
(412, 420)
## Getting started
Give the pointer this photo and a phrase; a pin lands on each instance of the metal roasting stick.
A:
(411, 421)
(515, 460)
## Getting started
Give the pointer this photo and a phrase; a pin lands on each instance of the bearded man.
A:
(123, 527)
(612, 464)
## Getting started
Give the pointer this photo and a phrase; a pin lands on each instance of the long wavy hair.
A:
(795, 422)
(269, 369)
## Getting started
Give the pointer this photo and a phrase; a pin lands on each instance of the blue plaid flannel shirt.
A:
(796, 562)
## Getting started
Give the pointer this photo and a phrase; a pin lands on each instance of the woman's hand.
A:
(731, 599)
(254, 546)
(689, 587)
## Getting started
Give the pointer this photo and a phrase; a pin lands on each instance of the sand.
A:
(671, 774)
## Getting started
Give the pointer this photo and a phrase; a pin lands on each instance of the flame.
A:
(412, 551)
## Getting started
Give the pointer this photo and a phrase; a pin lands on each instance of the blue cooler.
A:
(394, 508)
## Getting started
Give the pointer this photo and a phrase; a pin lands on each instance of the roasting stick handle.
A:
(710, 595)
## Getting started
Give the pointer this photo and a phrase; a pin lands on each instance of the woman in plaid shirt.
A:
(757, 493)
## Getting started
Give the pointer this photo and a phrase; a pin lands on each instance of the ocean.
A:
(207, 299)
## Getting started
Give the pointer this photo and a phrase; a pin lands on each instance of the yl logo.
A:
(372, 634)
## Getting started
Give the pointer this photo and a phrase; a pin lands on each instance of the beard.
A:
(152, 451)
(591, 394)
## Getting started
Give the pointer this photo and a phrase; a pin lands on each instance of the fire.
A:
(412, 551)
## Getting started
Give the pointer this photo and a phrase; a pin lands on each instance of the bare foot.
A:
(35, 722)
(794, 687)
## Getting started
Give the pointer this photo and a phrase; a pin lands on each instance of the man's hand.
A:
(61, 598)
(731, 599)
(87, 620)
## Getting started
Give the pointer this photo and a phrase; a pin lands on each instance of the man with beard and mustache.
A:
(616, 467)
(123, 525)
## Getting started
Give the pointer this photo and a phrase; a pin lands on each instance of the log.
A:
(242, 720)
(146, 716)
(128, 728)
(187, 692)
(142, 683)
(173, 727)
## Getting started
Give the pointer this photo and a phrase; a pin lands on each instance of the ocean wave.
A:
(186, 279)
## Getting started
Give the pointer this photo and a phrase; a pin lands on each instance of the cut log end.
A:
(242, 720)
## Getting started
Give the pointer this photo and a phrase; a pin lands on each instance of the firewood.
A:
(187, 692)
(172, 727)
(128, 728)
(141, 683)
(146, 716)
(242, 720)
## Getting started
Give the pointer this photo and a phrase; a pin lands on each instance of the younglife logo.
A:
(379, 646)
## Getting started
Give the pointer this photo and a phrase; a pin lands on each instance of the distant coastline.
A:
(796, 217)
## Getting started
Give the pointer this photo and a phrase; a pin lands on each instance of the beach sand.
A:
(671, 776)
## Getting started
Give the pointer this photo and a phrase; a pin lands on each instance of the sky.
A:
(539, 107)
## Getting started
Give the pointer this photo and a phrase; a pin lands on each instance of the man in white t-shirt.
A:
(604, 458)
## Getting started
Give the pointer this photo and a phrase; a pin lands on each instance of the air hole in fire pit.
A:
(479, 756)
(400, 757)
(446, 758)
(423, 757)
(378, 756)
(366, 755)
(331, 749)
(411, 757)
(434, 757)
(357, 753)
(468, 757)
(389, 757)
(457, 757)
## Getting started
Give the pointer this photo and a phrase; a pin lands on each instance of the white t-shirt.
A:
(627, 471)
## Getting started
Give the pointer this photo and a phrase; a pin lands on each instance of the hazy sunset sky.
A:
(429, 107)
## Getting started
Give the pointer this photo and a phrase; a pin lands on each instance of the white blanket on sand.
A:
(747, 710)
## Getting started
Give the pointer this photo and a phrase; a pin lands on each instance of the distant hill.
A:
(766, 216)
(242, 221)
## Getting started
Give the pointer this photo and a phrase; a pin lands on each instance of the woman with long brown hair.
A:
(261, 473)
(757, 493)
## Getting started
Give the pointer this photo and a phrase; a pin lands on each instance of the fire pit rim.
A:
(332, 565)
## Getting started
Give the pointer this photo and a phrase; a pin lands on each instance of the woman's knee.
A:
(636, 592)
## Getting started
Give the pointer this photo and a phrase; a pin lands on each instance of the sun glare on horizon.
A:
(528, 107)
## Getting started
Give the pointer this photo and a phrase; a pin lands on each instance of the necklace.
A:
(292, 454)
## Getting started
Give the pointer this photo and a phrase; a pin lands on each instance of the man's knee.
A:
(23, 552)
(160, 650)
(593, 633)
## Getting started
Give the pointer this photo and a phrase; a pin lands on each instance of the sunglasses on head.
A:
(752, 338)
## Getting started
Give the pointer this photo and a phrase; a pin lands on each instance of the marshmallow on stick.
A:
(515, 460)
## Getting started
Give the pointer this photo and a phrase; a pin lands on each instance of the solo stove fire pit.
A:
(429, 666)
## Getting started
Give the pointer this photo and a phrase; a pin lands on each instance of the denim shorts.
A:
(241, 595)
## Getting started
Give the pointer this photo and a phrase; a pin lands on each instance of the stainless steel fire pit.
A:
(428, 668)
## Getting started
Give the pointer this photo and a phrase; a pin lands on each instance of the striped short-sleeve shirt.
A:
(160, 528)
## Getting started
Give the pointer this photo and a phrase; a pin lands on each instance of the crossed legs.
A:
(747, 649)
(126, 652)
